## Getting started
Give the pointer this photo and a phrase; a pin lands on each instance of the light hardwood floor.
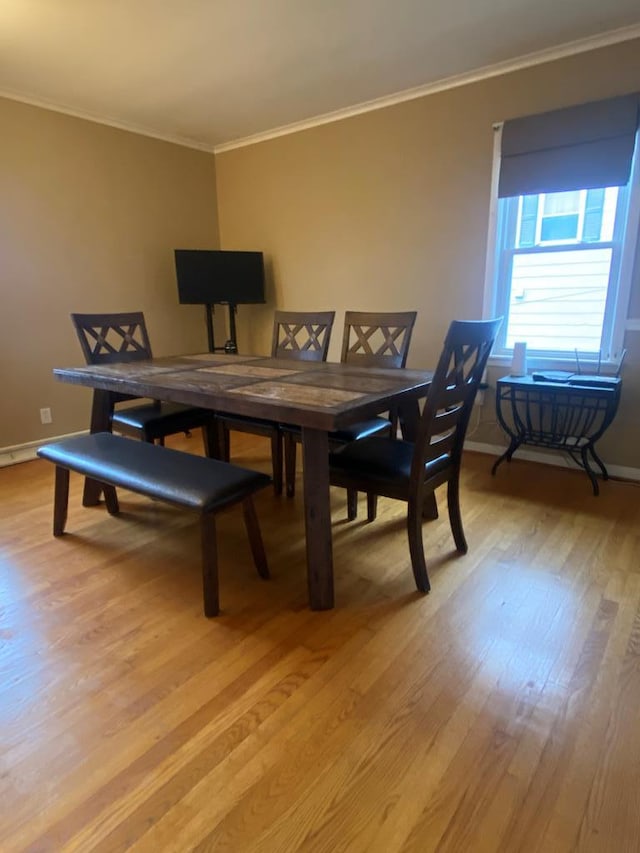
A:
(499, 713)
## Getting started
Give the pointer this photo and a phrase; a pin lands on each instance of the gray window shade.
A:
(582, 147)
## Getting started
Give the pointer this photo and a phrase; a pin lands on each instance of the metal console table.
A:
(566, 415)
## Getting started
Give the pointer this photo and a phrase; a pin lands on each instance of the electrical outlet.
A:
(45, 416)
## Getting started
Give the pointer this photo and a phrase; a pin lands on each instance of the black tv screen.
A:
(212, 276)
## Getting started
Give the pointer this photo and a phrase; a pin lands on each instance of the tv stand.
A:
(231, 346)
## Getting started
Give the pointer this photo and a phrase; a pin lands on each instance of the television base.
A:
(231, 345)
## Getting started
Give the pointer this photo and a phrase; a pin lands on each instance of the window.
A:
(563, 247)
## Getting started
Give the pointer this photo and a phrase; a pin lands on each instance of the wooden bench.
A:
(182, 479)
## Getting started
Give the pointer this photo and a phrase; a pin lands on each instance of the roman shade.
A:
(580, 147)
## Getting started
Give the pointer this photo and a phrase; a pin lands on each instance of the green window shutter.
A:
(593, 216)
(528, 221)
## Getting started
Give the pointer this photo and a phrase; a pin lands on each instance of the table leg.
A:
(317, 512)
(100, 422)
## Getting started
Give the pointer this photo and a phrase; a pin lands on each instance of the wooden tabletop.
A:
(324, 396)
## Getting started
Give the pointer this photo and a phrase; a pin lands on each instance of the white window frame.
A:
(495, 304)
(541, 215)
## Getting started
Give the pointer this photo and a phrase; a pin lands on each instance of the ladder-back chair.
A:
(297, 336)
(123, 337)
(411, 471)
(370, 339)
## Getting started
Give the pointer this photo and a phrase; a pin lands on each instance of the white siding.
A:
(558, 299)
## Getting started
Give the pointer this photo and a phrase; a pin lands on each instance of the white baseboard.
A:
(624, 472)
(26, 452)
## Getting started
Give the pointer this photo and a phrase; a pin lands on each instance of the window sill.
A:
(539, 363)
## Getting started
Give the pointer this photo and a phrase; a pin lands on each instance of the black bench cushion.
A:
(184, 479)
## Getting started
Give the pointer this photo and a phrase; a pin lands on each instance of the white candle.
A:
(519, 363)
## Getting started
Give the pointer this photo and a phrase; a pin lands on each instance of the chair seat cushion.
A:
(381, 460)
(353, 432)
(240, 422)
(158, 419)
(360, 430)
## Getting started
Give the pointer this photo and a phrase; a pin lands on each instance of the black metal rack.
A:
(564, 416)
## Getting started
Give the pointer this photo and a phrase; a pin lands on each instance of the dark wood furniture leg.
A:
(276, 455)
(111, 499)
(100, 422)
(60, 500)
(317, 512)
(209, 564)
(255, 537)
(211, 438)
(352, 504)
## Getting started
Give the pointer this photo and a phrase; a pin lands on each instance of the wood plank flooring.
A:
(499, 713)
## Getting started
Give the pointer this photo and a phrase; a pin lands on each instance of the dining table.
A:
(318, 397)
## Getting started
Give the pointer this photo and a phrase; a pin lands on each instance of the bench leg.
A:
(255, 537)
(372, 506)
(61, 500)
(111, 499)
(209, 565)
(352, 504)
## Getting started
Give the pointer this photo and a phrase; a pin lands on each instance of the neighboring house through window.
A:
(565, 225)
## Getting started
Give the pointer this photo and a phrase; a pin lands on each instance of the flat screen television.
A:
(214, 277)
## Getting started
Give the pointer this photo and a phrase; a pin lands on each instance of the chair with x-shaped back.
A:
(411, 471)
(297, 336)
(370, 339)
(123, 337)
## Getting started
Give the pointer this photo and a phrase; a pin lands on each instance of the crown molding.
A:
(106, 120)
(507, 67)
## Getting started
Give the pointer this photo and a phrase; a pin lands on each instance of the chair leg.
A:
(211, 440)
(223, 442)
(111, 499)
(290, 450)
(455, 518)
(60, 500)
(209, 550)
(276, 461)
(430, 507)
(255, 537)
(352, 504)
(416, 548)
(372, 506)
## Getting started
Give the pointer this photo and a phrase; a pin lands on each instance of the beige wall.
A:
(388, 210)
(89, 218)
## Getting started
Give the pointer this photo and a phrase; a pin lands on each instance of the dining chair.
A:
(123, 337)
(297, 336)
(411, 471)
(369, 339)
